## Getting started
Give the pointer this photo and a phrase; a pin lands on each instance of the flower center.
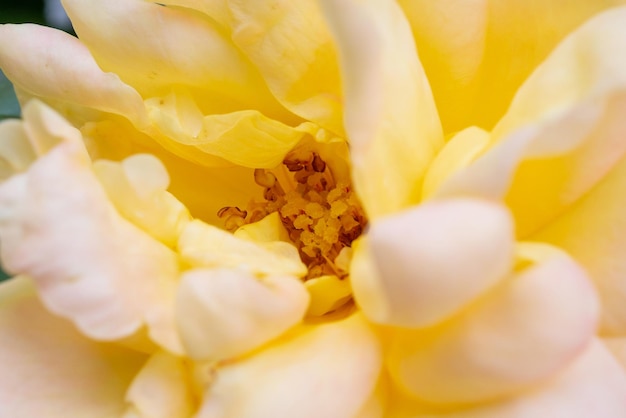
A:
(322, 217)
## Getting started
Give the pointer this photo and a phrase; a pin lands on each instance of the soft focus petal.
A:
(592, 386)
(90, 265)
(203, 245)
(390, 116)
(524, 331)
(432, 260)
(153, 47)
(617, 346)
(58, 66)
(563, 132)
(477, 53)
(325, 371)
(289, 43)
(49, 369)
(225, 313)
(161, 389)
(594, 232)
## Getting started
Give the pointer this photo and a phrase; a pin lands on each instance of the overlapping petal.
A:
(89, 264)
(527, 329)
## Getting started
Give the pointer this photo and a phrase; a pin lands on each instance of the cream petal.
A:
(152, 47)
(291, 46)
(52, 64)
(617, 347)
(225, 313)
(89, 264)
(390, 115)
(433, 260)
(524, 331)
(563, 131)
(51, 370)
(477, 53)
(161, 389)
(328, 370)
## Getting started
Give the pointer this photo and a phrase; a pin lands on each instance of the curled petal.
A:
(225, 313)
(431, 261)
(390, 116)
(49, 368)
(524, 331)
(89, 264)
(328, 370)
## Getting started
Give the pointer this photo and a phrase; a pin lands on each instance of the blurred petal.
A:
(617, 347)
(524, 331)
(90, 265)
(325, 371)
(564, 130)
(224, 313)
(592, 386)
(477, 53)
(390, 116)
(290, 44)
(432, 260)
(59, 66)
(49, 369)
(594, 232)
(161, 389)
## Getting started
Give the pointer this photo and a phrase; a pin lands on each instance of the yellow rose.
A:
(248, 107)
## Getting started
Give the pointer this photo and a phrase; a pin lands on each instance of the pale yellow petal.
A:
(225, 313)
(527, 329)
(390, 116)
(203, 245)
(290, 44)
(327, 294)
(563, 131)
(477, 53)
(50, 63)
(328, 370)
(89, 264)
(49, 369)
(431, 261)
(161, 389)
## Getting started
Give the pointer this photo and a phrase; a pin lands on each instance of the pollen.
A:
(321, 216)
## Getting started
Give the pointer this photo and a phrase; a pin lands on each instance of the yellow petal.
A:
(390, 116)
(90, 265)
(153, 47)
(593, 231)
(520, 334)
(477, 53)
(225, 313)
(292, 48)
(161, 389)
(563, 131)
(327, 294)
(431, 261)
(58, 66)
(246, 137)
(325, 371)
(50, 369)
(203, 245)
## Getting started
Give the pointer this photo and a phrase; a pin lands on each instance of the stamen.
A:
(321, 217)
